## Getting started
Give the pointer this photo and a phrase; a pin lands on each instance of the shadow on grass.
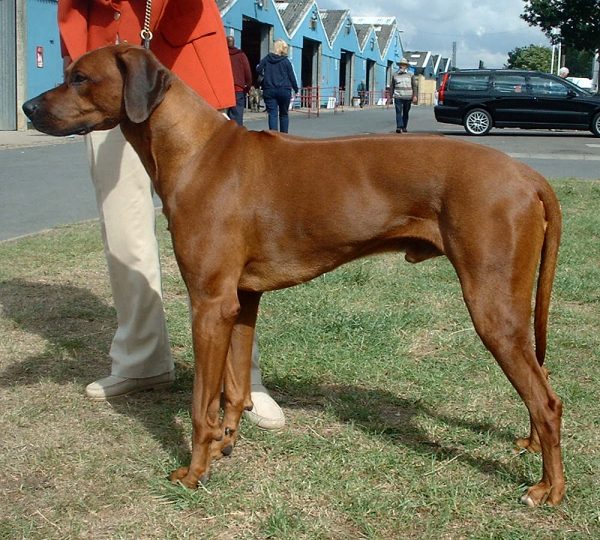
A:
(79, 326)
(382, 414)
(76, 325)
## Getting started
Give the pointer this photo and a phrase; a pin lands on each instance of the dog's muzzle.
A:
(46, 122)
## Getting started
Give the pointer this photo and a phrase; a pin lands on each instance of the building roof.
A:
(385, 35)
(418, 59)
(445, 65)
(333, 20)
(293, 12)
(375, 21)
(362, 31)
(384, 28)
(440, 64)
(223, 5)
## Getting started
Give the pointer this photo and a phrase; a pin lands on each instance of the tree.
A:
(574, 23)
(579, 62)
(533, 57)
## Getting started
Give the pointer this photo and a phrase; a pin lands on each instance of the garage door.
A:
(8, 69)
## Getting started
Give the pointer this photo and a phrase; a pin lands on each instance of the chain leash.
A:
(146, 34)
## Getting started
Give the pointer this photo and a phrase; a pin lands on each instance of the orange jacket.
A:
(189, 38)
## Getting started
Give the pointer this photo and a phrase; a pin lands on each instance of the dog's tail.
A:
(547, 270)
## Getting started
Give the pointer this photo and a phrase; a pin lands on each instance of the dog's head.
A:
(101, 89)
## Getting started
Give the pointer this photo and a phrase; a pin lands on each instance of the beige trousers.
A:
(140, 347)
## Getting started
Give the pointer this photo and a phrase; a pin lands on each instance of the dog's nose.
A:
(30, 106)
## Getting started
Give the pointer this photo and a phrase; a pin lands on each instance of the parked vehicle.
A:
(481, 99)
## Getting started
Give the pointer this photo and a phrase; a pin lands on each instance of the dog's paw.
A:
(178, 474)
(542, 493)
(529, 444)
(185, 478)
(223, 447)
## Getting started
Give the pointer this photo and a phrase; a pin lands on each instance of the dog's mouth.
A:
(53, 129)
(54, 126)
(83, 131)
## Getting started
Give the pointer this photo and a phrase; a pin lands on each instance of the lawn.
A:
(399, 422)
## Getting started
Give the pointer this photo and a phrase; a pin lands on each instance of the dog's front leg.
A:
(212, 323)
(236, 390)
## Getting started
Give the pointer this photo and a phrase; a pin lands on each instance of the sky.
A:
(483, 29)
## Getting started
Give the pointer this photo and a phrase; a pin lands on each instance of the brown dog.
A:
(248, 213)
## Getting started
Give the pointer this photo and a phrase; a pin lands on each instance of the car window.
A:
(510, 84)
(469, 82)
(547, 87)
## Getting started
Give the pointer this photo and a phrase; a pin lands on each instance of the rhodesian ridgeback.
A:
(251, 212)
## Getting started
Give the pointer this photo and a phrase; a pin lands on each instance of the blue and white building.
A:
(329, 49)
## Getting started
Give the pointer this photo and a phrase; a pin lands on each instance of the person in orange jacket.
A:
(187, 37)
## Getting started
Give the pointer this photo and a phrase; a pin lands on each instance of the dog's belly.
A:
(269, 277)
(280, 273)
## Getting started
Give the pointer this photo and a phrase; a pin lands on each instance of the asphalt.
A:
(326, 124)
(44, 180)
(30, 138)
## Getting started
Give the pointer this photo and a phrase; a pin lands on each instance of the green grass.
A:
(400, 424)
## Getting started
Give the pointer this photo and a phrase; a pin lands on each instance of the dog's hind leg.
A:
(213, 319)
(236, 390)
(506, 338)
(497, 274)
(531, 443)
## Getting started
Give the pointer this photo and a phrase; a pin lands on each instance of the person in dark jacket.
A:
(242, 80)
(277, 84)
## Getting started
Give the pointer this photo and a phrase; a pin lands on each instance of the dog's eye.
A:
(78, 78)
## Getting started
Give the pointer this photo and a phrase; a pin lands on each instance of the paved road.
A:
(44, 181)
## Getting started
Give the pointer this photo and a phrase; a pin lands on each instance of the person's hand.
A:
(414, 99)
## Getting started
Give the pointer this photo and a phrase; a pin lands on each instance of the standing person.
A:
(242, 80)
(404, 92)
(362, 93)
(188, 38)
(278, 82)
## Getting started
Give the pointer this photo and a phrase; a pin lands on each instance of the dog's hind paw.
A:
(542, 493)
(528, 444)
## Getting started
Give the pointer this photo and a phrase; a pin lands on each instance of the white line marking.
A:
(558, 157)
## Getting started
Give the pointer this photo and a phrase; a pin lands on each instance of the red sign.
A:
(39, 56)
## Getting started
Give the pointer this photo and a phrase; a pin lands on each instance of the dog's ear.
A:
(145, 82)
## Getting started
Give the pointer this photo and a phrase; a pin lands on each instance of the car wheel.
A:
(477, 122)
(596, 125)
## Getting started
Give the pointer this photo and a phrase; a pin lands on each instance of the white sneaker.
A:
(113, 386)
(266, 413)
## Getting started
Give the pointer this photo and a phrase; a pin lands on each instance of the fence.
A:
(310, 100)
(378, 98)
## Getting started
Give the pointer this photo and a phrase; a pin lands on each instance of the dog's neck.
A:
(178, 129)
